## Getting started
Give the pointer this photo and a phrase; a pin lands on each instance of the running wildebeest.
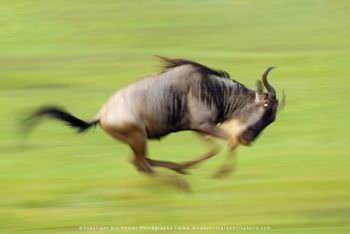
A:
(185, 95)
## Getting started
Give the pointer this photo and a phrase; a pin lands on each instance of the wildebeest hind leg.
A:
(182, 166)
(211, 153)
(137, 142)
(136, 139)
(167, 164)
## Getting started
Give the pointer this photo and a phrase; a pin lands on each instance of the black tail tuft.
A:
(60, 114)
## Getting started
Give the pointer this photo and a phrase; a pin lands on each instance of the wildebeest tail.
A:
(59, 114)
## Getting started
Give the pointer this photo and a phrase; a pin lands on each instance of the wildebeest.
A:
(185, 95)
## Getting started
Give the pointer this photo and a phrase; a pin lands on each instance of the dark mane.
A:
(172, 63)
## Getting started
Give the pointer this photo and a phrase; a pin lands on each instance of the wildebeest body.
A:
(185, 96)
(176, 99)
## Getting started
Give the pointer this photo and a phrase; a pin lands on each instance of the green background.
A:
(295, 179)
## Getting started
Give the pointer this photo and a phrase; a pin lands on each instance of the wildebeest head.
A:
(257, 116)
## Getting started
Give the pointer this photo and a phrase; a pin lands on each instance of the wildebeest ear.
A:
(259, 88)
(282, 101)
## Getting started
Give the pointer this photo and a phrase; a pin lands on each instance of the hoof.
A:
(143, 166)
(180, 183)
(223, 172)
(180, 171)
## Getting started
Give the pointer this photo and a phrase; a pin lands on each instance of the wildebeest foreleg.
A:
(229, 163)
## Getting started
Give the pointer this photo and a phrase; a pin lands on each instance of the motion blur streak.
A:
(294, 179)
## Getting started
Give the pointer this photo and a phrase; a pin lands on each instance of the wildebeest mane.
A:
(170, 63)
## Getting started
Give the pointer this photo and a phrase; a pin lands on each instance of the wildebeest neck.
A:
(237, 99)
(227, 96)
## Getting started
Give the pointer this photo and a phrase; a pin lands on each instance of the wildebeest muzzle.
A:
(248, 136)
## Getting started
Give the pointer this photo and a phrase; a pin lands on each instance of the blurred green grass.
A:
(295, 178)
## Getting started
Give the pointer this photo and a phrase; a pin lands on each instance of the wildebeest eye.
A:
(267, 104)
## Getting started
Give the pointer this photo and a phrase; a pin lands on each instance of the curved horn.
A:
(269, 88)
(259, 88)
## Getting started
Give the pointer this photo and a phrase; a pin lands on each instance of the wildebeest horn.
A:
(259, 88)
(269, 88)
